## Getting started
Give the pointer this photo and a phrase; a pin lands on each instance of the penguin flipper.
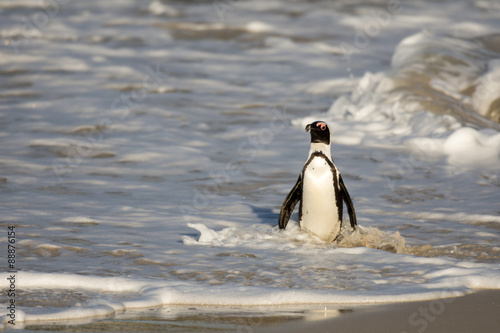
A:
(348, 202)
(289, 204)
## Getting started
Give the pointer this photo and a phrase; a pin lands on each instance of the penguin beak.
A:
(308, 128)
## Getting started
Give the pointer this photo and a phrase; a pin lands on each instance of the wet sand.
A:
(477, 312)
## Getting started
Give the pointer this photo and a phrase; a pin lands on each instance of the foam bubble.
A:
(158, 8)
(468, 146)
(258, 27)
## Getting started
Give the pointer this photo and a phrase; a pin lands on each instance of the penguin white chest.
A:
(319, 212)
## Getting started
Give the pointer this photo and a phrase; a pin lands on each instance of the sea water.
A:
(147, 146)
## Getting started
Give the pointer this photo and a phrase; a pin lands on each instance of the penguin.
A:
(320, 190)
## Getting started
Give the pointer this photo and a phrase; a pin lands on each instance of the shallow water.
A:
(197, 319)
(151, 144)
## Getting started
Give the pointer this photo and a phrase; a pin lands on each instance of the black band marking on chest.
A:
(333, 169)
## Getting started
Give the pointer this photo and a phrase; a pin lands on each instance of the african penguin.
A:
(320, 189)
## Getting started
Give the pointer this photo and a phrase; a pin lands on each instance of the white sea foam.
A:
(118, 294)
(158, 8)
(488, 90)
(378, 104)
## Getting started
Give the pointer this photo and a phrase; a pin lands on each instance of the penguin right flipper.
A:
(348, 203)
(289, 204)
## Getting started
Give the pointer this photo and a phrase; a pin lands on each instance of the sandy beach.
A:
(477, 312)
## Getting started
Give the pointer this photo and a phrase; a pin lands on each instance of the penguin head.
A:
(320, 132)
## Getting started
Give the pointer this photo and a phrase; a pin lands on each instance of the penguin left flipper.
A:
(348, 202)
(290, 202)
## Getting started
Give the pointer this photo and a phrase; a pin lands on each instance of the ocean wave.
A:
(447, 75)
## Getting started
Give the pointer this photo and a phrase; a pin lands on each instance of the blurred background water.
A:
(122, 122)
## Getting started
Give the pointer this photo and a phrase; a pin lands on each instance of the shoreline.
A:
(478, 311)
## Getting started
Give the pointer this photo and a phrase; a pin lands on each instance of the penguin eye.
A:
(322, 126)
